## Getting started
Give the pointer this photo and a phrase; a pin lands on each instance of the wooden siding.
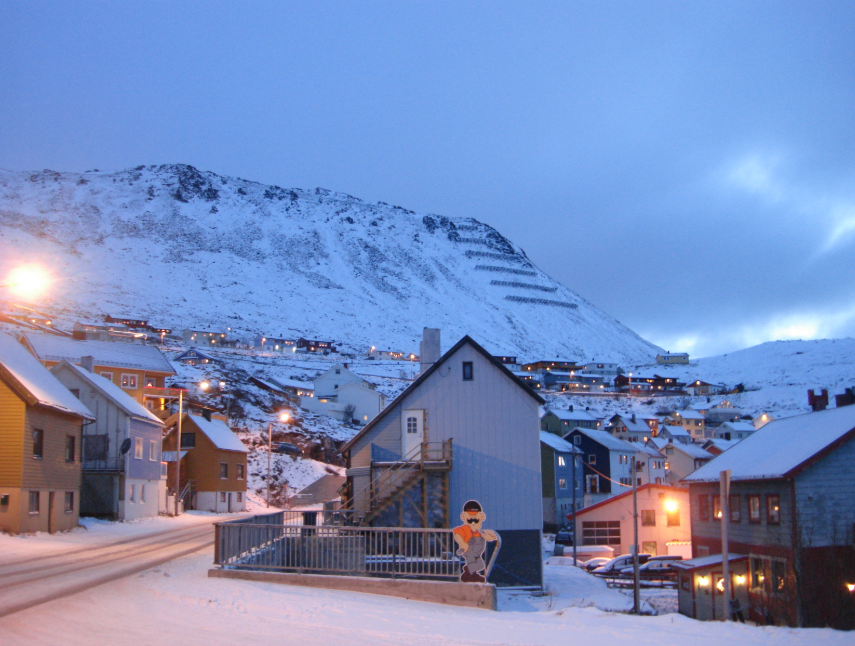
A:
(825, 504)
(12, 413)
(52, 471)
(494, 425)
(202, 463)
(117, 372)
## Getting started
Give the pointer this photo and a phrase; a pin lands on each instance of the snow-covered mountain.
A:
(185, 248)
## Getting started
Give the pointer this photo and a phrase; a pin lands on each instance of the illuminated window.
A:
(138, 448)
(773, 509)
(753, 509)
(129, 381)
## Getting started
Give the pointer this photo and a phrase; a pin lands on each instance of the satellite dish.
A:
(126, 445)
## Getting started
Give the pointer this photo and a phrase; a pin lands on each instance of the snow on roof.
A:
(573, 415)
(706, 561)
(674, 431)
(694, 451)
(49, 347)
(780, 446)
(293, 383)
(606, 439)
(637, 426)
(658, 442)
(220, 434)
(739, 426)
(689, 414)
(122, 399)
(35, 379)
(552, 440)
(722, 445)
(641, 448)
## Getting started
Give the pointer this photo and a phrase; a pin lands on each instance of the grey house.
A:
(118, 485)
(557, 467)
(467, 428)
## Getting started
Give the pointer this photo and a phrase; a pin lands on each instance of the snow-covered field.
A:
(177, 603)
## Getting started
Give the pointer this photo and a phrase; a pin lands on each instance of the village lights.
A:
(204, 385)
(850, 587)
(28, 281)
(283, 417)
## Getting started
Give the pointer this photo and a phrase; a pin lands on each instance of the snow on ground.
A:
(294, 473)
(177, 603)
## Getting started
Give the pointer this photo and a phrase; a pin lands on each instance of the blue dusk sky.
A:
(688, 167)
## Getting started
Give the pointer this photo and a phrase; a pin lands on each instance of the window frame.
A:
(70, 448)
(69, 498)
(703, 508)
(592, 459)
(38, 435)
(648, 515)
(131, 493)
(132, 381)
(34, 509)
(138, 448)
(106, 375)
(468, 371)
(773, 518)
(240, 470)
(716, 508)
(562, 483)
(185, 440)
(735, 508)
(673, 518)
(224, 470)
(753, 518)
(152, 450)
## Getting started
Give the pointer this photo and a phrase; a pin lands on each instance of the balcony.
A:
(161, 393)
(104, 464)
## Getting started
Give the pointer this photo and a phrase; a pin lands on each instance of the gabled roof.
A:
(606, 439)
(219, 433)
(745, 427)
(110, 390)
(693, 451)
(721, 445)
(33, 383)
(674, 431)
(106, 353)
(427, 373)
(292, 383)
(647, 450)
(638, 426)
(556, 443)
(688, 414)
(782, 448)
(623, 495)
(572, 415)
(707, 561)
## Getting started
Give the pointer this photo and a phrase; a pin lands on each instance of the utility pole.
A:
(575, 533)
(724, 491)
(178, 450)
(635, 587)
(269, 455)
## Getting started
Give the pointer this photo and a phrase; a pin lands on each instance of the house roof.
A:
(219, 433)
(739, 426)
(626, 493)
(638, 426)
(689, 414)
(556, 443)
(48, 347)
(572, 416)
(674, 431)
(721, 445)
(33, 382)
(693, 451)
(706, 561)
(110, 390)
(782, 448)
(605, 438)
(427, 373)
(659, 442)
(293, 383)
(641, 448)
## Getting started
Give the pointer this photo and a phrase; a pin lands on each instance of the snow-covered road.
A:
(71, 568)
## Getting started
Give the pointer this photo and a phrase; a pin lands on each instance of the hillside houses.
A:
(344, 395)
(562, 421)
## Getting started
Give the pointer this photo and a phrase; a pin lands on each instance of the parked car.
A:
(656, 567)
(287, 448)
(613, 567)
(594, 563)
(564, 536)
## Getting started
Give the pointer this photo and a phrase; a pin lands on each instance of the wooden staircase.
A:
(393, 482)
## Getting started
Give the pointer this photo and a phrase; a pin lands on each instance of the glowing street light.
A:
(671, 506)
(28, 281)
(282, 418)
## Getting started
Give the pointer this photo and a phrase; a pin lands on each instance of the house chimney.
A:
(846, 399)
(206, 414)
(88, 363)
(429, 351)
(633, 418)
(345, 366)
(571, 408)
(818, 402)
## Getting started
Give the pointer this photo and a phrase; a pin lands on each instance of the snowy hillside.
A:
(182, 247)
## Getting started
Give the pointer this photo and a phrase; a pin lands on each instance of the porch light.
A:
(671, 506)
(850, 587)
(703, 581)
(740, 579)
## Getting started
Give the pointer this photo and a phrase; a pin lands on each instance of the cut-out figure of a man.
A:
(471, 541)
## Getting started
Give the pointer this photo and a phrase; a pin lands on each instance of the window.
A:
(240, 497)
(669, 450)
(757, 573)
(152, 450)
(577, 439)
(239, 471)
(188, 440)
(69, 502)
(38, 443)
(34, 502)
(648, 518)
(773, 511)
(592, 484)
(467, 371)
(107, 375)
(150, 382)
(704, 507)
(222, 496)
(779, 576)
(753, 509)
(138, 448)
(649, 547)
(4, 500)
(716, 507)
(69, 448)
(224, 470)
(129, 381)
(562, 483)
(667, 466)
(658, 480)
(142, 493)
(735, 504)
(412, 426)
(561, 461)
(592, 459)
(131, 493)
(601, 532)
(673, 518)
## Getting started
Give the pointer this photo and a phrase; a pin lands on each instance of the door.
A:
(230, 503)
(412, 433)
(51, 528)
(720, 605)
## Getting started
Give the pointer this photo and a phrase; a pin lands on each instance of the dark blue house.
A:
(607, 463)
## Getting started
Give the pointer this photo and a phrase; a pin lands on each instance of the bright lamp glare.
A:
(28, 281)
(670, 506)
(284, 417)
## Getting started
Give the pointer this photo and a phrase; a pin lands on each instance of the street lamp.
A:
(28, 280)
(284, 418)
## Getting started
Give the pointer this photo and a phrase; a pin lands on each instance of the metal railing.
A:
(104, 464)
(385, 552)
